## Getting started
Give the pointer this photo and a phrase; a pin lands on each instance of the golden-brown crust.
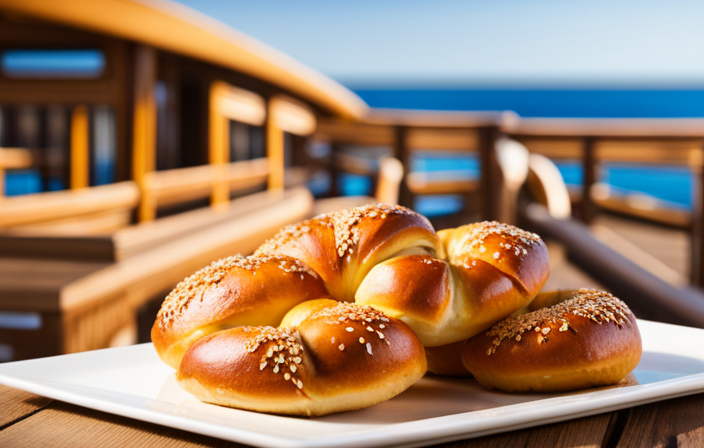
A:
(589, 340)
(231, 292)
(446, 360)
(492, 270)
(344, 245)
(341, 357)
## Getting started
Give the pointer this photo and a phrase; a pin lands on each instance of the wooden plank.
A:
(18, 404)
(154, 271)
(144, 126)
(15, 158)
(697, 232)
(35, 285)
(436, 119)
(442, 139)
(64, 247)
(274, 151)
(138, 238)
(588, 432)
(80, 148)
(62, 424)
(101, 222)
(569, 149)
(588, 179)
(660, 152)
(676, 422)
(186, 184)
(218, 145)
(441, 182)
(62, 204)
(355, 133)
(607, 127)
(490, 180)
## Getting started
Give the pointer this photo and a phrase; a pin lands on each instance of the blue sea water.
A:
(673, 184)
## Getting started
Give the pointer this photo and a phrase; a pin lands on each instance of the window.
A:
(52, 64)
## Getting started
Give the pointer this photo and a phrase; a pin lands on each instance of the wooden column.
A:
(144, 127)
(588, 179)
(401, 152)
(490, 176)
(80, 148)
(274, 150)
(219, 146)
(697, 230)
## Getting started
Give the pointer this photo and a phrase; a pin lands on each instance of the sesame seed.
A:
(287, 376)
(262, 366)
(361, 340)
(598, 306)
(332, 340)
(341, 347)
(349, 329)
(369, 348)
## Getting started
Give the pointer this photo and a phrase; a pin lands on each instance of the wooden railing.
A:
(658, 142)
(13, 159)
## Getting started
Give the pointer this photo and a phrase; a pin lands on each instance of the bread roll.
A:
(591, 339)
(340, 357)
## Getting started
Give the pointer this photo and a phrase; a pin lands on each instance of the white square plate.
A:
(133, 382)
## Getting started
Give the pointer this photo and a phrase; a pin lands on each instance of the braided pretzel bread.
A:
(589, 339)
(381, 256)
(338, 357)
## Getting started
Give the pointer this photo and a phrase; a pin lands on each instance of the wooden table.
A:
(28, 420)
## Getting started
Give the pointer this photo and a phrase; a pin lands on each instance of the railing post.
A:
(274, 148)
(144, 127)
(697, 230)
(588, 179)
(80, 148)
(219, 142)
(490, 177)
(401, 152)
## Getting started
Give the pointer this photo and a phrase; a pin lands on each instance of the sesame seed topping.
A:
(511, 238)
(361, 340)
(349, 329)
(193, 287)
(344, 224)
(598, 306)
(369, 348)
(341, 347)
(280, 340)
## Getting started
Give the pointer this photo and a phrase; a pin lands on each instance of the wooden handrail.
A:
(15, 158)
(186, 184)
(649, 296)
(34, 208)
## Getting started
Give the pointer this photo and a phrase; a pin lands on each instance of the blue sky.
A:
(482, 43)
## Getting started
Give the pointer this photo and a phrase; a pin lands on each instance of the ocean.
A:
(672, 184)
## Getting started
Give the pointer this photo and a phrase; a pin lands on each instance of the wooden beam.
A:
(588, 178)
(218, 144)
(80, 148)
(144, 126)
(490, 180)
(697, 230)
(274, 150)
(401, 152)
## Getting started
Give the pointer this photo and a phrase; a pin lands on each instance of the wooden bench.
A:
(82, 305)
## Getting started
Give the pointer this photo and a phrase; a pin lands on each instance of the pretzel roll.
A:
(344, 246)
(446, 360)
(490, 271)
(589, 340)
(231, 292)
(341, 357)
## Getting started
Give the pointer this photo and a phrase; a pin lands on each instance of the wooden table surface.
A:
(28, 420)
